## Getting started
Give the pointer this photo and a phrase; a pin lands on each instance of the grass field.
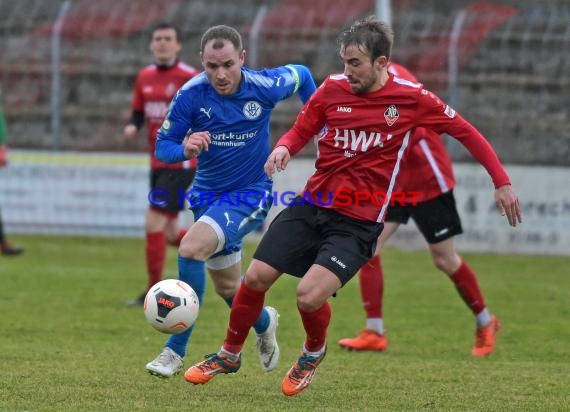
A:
(69, 343)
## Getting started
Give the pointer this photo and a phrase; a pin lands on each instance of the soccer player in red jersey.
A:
(155, 87)
(331, 231)
(427, 178)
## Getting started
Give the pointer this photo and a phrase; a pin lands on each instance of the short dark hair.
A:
(221, 32)
(165, 26)
(371, 36)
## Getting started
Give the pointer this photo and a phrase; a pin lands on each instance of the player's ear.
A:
(381, 62)
(242, 56)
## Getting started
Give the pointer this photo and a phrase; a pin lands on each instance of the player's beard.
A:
(364, 86)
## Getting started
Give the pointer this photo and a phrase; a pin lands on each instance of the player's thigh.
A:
(346, 244)
(200, 242)
(232, 215)
(437, 219)
(389, 229)
(157, 220)
(260, 275)
(291, 242)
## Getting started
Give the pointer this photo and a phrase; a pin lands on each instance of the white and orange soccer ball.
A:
(171, 306)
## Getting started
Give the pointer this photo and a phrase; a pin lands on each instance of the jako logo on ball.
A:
(171, 306)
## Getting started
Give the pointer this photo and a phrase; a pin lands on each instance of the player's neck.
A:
(165, 65)
(382, 80)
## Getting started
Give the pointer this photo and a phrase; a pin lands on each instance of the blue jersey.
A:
(238, 125)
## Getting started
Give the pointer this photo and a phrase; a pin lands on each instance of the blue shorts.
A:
(232, 215)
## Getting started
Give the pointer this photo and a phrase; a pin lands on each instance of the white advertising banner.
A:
(106, 194)
(72, 193)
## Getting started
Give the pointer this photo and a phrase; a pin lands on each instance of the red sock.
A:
(246, 308)
(176, 242)
(316, 324)
(466, 284)
(372, 287)
(155, 256)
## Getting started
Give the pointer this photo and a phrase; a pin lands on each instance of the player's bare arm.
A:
(195, 143)
(278, 159)
(508, 204)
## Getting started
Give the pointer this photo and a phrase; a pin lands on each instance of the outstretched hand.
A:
(195, 143)
(130, 132)
(508, 203)
(278, 159)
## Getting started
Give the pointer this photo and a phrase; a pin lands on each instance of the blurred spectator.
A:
(6, 248)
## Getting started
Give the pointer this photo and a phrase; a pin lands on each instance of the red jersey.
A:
(360, 155)
(154, 89)
(426, 170)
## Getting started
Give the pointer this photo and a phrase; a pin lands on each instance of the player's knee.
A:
(194, 250)
(309, 301)
(447, 264)
(226, 289)
(254, 280)
(439, 262)
(171, 237)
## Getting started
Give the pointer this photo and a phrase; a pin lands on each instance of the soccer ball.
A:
(171, 306)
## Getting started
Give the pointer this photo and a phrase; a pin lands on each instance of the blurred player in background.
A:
(155, 87)
(370, 116)
(222, 116)
(427, 177)
(6, 248)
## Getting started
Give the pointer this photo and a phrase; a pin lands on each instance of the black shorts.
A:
(302, 235)
(173, 181)
(437, 218)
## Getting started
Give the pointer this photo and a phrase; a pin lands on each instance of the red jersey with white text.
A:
(154, 89)
(426, 170)
(367, 135)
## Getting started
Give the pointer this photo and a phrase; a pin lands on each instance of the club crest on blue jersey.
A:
(252, 110)
(165, 125)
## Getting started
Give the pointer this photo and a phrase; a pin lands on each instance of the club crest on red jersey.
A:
(391, 115)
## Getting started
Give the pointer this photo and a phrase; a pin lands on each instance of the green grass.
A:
(69, 343)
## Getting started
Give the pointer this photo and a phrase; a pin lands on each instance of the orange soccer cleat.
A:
(366, 340)
(301, 374)
(485, 338)
(214, 364)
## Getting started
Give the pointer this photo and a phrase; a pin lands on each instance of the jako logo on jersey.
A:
(252, 110)
(391, 115)
(349, 154)
(338, 262)
(449, 112)
(344, 109)
(359, 140)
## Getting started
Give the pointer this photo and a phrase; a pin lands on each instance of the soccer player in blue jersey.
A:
(222, 116)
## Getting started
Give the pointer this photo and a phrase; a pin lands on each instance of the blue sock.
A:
(192, 272)
(262, 322)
